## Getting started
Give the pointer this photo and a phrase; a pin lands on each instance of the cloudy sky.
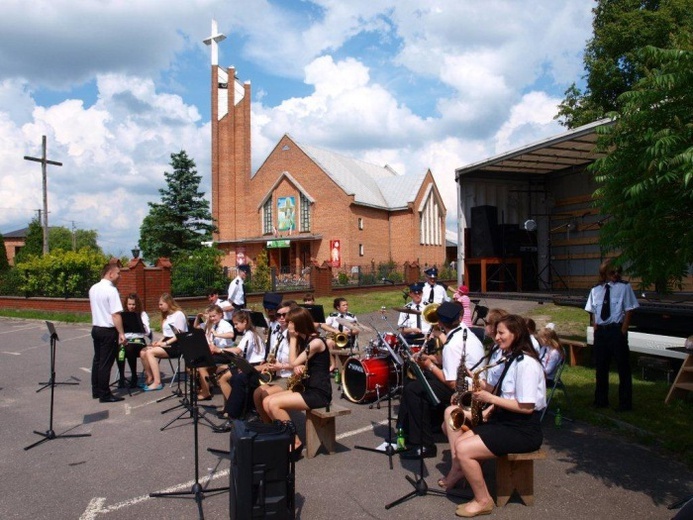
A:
(119, 85)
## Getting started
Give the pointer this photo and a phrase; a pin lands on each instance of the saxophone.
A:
(266, 375)
(467, 402)
(296, 383)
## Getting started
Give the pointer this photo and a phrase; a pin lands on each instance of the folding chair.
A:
(556, 383)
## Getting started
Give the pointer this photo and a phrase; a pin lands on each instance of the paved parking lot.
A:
(588, 473)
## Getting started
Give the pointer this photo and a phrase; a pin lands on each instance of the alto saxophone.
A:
(296, 383)
(266, 375)
(467, 402)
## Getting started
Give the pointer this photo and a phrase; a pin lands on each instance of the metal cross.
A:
(44, 162)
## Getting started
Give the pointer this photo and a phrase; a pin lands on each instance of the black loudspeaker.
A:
(262, 483)
(484, 231)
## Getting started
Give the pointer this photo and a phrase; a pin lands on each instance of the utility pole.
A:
(44, 162)
(74, 237)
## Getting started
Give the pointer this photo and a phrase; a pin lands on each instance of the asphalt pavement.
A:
(588, 473)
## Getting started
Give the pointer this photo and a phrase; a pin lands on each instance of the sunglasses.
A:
(281, 314)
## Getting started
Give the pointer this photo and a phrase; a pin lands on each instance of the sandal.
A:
(206, 398)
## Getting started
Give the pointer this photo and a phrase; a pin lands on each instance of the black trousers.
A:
(416, 410)
(105, 350)
(609, 343)
(132, 354)
(242, 388)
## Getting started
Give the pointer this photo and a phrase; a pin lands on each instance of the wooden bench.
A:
(321, 430)
(574, 348)
(515, 472)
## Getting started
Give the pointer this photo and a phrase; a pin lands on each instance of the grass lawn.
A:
(663, 427)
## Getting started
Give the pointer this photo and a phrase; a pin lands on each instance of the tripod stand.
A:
(549, 268)
(50, 434)
(420, 485)
(196, 354)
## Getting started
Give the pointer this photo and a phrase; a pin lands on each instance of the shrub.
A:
(193, 273)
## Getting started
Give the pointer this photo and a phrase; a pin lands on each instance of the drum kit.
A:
(379, 371)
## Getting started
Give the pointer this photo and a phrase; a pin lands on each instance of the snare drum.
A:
(364, 379)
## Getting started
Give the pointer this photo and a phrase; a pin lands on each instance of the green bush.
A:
(11, 282)
(261, 276)
(61, 274)
(193, 273)
(343, 279)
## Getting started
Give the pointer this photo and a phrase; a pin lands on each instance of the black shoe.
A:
(121, 383)
(622, 408)
(133, 382)
(426, 451)
(296, 455)
(222, 428)
(221, 414)
(94, 396)
(111, 399)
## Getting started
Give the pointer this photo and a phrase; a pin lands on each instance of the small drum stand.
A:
(50, 434)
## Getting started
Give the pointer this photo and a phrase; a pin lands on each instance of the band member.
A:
(611, 305)
(213, 299)
(412, 325)
(280, 366)
(235, 383)
(236, 289)
(512, 422)
(172, 319)
(107, 331)
(335, 324)
(219, 334)
(312, 364)
(434, 292)
(441, 373)
(551, 352)
(135, 341)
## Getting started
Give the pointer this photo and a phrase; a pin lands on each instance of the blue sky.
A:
(119, 85)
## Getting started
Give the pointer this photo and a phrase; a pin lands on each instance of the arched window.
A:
(430, 222)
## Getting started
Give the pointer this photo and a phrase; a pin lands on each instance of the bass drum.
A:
(365, 378)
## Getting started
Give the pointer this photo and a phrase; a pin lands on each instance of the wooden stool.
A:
(320, 428)
(515, 472)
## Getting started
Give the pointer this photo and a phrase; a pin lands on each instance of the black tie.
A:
(606, 306)
(418, 319)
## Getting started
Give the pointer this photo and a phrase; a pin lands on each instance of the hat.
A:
(463, 289)
(449, 312)
(244, 267)
(416, 287)
(432, 272)
(271, 300)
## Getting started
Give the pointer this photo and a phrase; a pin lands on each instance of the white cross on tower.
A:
(213, 40)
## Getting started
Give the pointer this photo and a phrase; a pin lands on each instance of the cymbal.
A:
(353, 324)
(406, 310)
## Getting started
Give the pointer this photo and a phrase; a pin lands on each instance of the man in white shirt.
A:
(236, 289)
(434, 292)
(107, 331)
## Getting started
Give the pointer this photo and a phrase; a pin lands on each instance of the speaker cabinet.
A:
(484, 231)
(262, 483)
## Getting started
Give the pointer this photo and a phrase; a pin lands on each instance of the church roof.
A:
(370, 185)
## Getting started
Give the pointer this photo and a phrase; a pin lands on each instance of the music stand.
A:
(317, 312)
(193, 345)
(51, 379)
(420, 486)
(50, 434)
(258, 319)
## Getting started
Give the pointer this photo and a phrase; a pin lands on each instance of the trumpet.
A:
(341, 339)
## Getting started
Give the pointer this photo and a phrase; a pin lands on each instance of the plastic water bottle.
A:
(401, 444)
(121, 353)
(337, 379)
(558, 419)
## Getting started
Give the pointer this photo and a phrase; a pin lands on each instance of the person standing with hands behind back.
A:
(107, 331)
(611, 304)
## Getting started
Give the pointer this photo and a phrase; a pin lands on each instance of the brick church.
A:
(305, 204)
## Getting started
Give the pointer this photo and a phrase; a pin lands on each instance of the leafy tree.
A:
(612, 61)
(646, 180)
(183, 219)
(261, 277)
(192, 274)
(4, 262)
(33, 244)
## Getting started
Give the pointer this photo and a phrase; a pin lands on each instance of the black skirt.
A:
(510, 432)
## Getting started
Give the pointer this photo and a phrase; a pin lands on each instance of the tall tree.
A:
(33, 243)
(183, 220)
(4, 262)
(612, 63)
(646, 180)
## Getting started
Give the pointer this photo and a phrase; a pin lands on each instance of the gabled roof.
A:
(369, 184)
(19, 233)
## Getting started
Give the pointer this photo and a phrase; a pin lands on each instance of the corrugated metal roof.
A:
(571, 149)
(370, 185)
